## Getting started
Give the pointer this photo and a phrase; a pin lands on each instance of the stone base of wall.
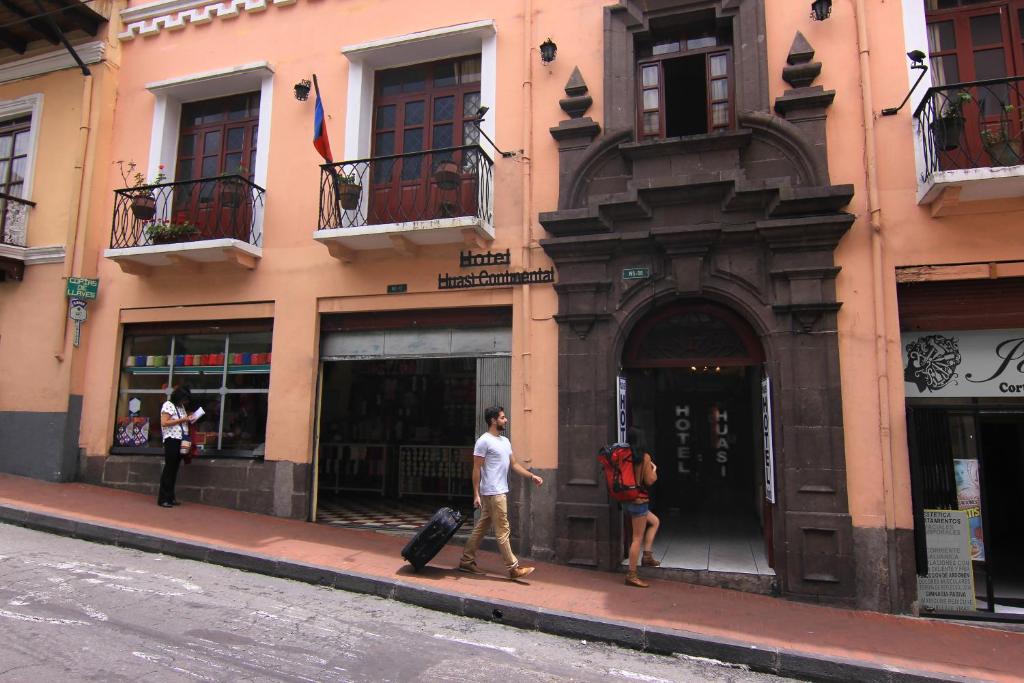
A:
(41, 445)
(268, 487)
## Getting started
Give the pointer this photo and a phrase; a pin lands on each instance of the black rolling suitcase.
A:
(429, 540)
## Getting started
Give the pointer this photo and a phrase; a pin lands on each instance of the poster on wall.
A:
(968, 498)
(964, 363)
(949, 585)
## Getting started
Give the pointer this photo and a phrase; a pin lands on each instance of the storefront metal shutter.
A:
(493, 388)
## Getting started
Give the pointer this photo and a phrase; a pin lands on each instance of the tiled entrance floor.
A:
(406, 515)
(713, 543)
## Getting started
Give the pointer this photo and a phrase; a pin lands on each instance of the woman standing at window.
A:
(174, 419)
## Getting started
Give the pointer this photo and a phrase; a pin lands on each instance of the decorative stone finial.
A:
(578, 101)
(801, 71)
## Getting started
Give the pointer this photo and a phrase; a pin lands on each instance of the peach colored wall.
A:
(297, 274)
(35, 355)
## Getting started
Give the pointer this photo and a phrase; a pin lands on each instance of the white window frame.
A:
(172, 94)
(365, 59)
(12, 109)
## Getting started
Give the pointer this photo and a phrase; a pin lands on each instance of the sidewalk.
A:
(768, 634)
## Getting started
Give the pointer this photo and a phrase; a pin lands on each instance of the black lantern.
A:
(548, 49)
(302, 90)
(821, 9)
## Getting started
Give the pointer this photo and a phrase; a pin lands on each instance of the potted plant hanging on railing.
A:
(232, 189)
(167, 232)
(948, 126)
(347, 191)
(143, 203)
(446, 175)
(999, 142)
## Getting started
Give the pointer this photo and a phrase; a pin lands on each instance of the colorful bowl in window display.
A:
(160, 361)
(258, 359)
(218, 359)
(186, 360)
(268, 357)
(150, 361)
(235, 358)
(179, 360)
(246, 359)
(139, 361)
(197, 359)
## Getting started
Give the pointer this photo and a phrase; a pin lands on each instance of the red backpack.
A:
(619, 464)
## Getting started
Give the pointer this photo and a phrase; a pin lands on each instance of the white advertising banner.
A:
(766, 428)
(620, 407)
(963, 364)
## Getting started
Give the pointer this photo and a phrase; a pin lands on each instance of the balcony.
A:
(404, 202)
(970, 137)
(210, 220)
(13, 251)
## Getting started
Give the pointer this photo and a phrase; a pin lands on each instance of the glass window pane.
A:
(15, 190)
(665, 47)
(183, 170)
(720, 89)
(245, 421)
(719, 65)
(414, 79)
(652, 123)
(444, 108)
(233, 163)
(384, 144)
(941, 36)
(389, 82)
(443, 136)
(213, 111)
(986, 29)
(211, 142)
(470, 104)
(21, 143)
(187, 145)
(945, 70)
(650, 75)
(18, 167)
(444, 75)
(6, 145)
(5, 169)
(470, 134)
(235, 139)
(204, 432)
(651, 99)
(211, 167)
(412, 140)
(414, 113)
(697, 43)
(238, 107)
(386, 116)
(470, 68)
(990, 64)
(412, 166)
(140, 429)
(1020, 20)
(720, 114)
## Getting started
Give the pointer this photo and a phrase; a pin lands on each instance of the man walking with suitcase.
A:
(492, 459)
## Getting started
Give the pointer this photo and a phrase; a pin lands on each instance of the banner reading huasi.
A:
(963, 364)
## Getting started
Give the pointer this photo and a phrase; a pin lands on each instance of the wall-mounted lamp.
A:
(302, 90)
(916, 58)
(548, 50)
(480, 113)
(821, 9)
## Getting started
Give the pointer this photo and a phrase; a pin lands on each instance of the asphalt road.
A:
(77, 611)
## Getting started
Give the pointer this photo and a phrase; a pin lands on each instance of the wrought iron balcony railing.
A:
(13, 218)
(976, 124)
(402, 188)
(225, 207)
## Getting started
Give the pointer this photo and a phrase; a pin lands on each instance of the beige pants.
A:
(493, 511)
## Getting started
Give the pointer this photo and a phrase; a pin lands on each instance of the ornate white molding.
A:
(172, 15)
(56, 60)
(33, 255)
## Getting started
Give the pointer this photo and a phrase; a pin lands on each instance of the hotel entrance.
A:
(694, 375)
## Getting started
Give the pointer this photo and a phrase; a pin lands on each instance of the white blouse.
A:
(174, 431)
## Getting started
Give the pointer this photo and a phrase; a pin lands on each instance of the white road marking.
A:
(41, 620)
(156, 659)
(488, 646)
(633, 676)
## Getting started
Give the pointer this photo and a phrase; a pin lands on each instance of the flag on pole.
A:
(320, 140)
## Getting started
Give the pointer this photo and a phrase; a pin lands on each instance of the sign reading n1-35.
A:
(83, 287)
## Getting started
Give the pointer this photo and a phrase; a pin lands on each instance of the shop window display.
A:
(228, 374)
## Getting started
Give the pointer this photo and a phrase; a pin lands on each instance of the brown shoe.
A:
(633, 579)
(470, 568)
(519, 572)
(648, 560)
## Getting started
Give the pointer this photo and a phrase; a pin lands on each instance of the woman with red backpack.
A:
(645, 522)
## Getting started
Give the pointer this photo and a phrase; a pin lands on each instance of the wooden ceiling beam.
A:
(41, 27)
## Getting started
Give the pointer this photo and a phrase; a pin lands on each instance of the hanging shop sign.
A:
(949, 585)
(620, 407)
(963, 364)
(83, 287)
(766, 428)
(486, 278)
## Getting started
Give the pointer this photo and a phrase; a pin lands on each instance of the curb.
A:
(778, 661)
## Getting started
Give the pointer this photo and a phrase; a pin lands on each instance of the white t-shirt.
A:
(497, 454)
(174, 431)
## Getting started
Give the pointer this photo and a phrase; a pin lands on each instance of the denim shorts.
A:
(638, 509)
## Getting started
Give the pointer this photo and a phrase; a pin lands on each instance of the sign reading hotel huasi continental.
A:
(485, 278)
(965, 363)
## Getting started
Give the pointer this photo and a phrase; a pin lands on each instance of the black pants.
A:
(172, 461)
